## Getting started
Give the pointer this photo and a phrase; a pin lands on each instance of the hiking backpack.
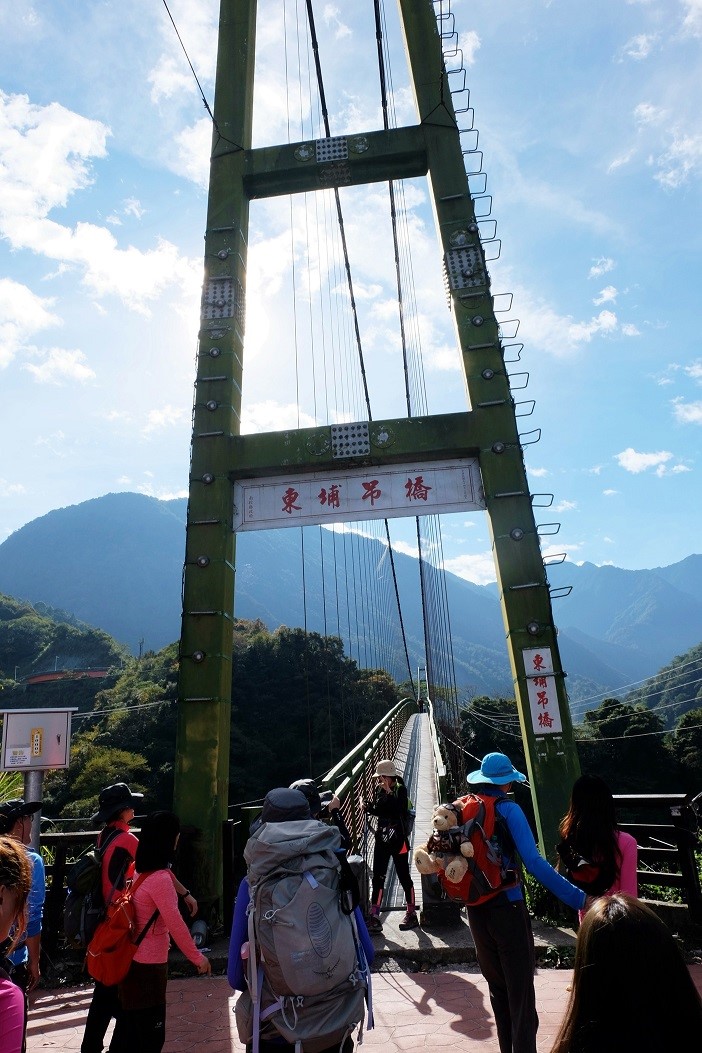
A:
(487, 874)
(115, 942)
(306, 973)
(84, 906)
(594, 878)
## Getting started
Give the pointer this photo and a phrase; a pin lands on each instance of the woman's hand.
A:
(205, 967)
(190, 904)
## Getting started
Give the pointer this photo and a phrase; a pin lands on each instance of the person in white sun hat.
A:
(390, 805)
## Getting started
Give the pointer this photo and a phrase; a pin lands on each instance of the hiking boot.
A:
(374, 924)
(410, 920)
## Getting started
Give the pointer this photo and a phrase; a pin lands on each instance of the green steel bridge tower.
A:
(487, 433)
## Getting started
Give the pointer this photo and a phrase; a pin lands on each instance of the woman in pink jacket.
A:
(595, 854)
(141, 1027)
(15, 883)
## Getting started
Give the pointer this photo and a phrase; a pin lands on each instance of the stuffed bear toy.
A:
(448, 848)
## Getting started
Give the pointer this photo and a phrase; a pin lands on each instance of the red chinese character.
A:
(545, 721)
(542, 698)
(289, 498)
(372, 491)
(539, 681)
(417, 490)
(329, 497)
(538, 662)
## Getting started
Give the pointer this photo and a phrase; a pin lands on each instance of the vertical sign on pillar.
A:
(541, 686)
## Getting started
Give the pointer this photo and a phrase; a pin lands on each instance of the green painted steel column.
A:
(204, 689)
(552, 759)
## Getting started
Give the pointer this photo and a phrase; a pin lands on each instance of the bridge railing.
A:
(666, 828)
(351, 779)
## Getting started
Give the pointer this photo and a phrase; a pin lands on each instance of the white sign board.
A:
(35, 739)
(541, 688)
(350, 495)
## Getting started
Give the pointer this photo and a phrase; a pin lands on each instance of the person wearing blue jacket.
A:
(501, 927)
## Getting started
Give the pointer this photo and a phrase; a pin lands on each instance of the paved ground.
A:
(413, 1011)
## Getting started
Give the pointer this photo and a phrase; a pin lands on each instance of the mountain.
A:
(115, 562)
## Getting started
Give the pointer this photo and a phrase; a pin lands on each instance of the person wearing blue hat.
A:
(501, 927)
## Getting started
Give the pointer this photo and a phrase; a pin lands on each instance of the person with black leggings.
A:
(390, 805)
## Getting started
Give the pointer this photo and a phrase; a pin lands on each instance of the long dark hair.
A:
(631, 987)
(590, 824)
(157, 842)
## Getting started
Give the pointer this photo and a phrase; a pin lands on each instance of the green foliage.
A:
(298, 705)
(675, 691)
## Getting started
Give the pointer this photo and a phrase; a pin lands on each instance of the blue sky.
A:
(591, 133)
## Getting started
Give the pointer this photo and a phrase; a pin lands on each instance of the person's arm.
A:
(628, 879)
(164, 895)
(535, 863)
(235, 966)
(338, 821)
(186, 895)
(35, 903)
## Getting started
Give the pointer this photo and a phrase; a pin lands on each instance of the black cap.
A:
(283, 805)
(113, 800)
(11, 811)
(308, 788)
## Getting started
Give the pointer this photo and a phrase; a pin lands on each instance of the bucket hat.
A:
(385, 767)
(495, 768)
(282, 805)
(113, 800)
(11, 811)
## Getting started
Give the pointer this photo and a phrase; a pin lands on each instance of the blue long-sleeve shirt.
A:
(35, 906)
(532, 859)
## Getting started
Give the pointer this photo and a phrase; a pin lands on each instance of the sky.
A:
(590, 129)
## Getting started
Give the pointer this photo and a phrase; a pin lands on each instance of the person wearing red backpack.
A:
(500, 926)
(141, 1024)
(116, 811)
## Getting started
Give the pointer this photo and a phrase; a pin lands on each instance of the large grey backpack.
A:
(307, 976)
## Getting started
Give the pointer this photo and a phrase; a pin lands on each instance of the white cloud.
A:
(11, 489)
(44, 160)
(694, 370)
(166, 417)
(681, 160)
(609, 493)
(607, 295)
(639, 47)
(565, 506)
(479, 569)
(332, 16)
(274, 416)
(632, 461)
(59, 365)
(22, 314)
(469, 44)
(629, 329)
(601, 266)
(692, 23)
(687, 412)
(647, 113)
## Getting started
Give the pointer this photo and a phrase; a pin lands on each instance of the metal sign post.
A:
(35, 741)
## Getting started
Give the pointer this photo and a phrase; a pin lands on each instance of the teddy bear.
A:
(448, 847)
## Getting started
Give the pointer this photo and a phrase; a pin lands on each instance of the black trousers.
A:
(104, 1005)
(504, 946)
(382, 854)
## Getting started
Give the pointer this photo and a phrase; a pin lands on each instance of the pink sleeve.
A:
(628, 881)
(12, 1016)
(163, 892)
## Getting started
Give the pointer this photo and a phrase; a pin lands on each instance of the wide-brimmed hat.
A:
(11, 811)
(385, 768)
(497, 769)
(113, 800)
